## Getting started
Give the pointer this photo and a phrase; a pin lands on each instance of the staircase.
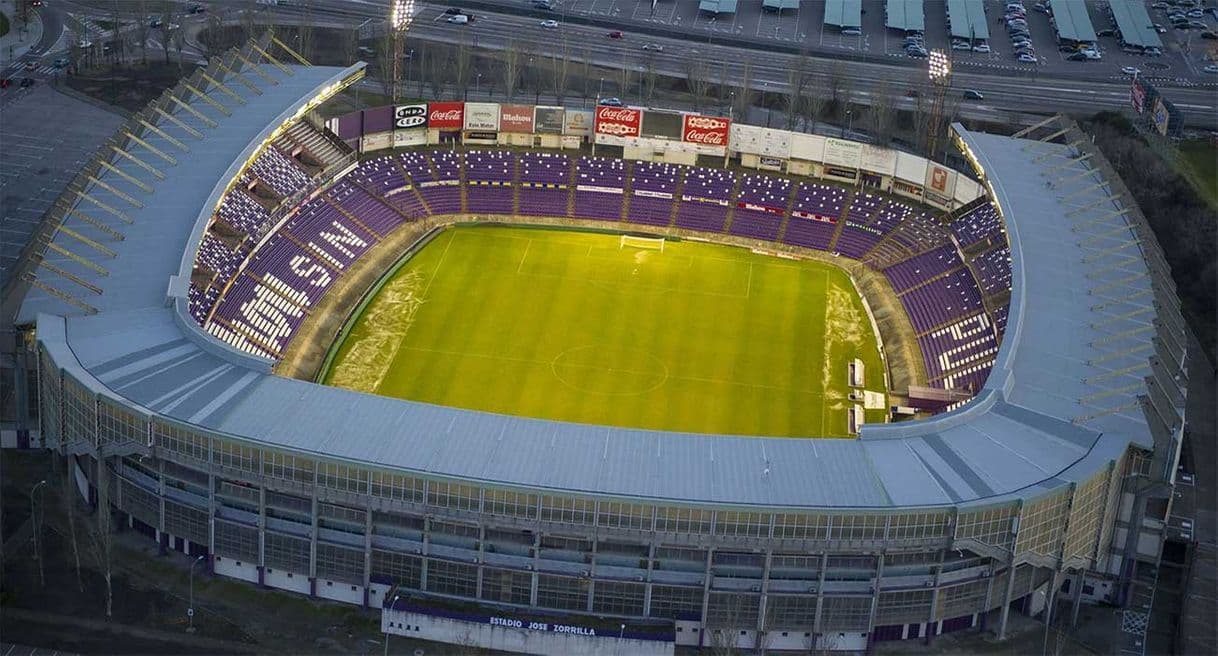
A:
(572, 182)
(516, 186)
(676, 197)
(627, 191)
(841, 223)
(414, 188)
(731, 208)
(328, 152)
(786, 219)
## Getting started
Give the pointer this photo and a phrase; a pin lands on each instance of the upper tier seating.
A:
(982, 223)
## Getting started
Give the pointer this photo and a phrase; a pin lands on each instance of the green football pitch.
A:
(573, 326)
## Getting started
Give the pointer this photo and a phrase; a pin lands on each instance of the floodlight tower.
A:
(401, 13)
(940, 69)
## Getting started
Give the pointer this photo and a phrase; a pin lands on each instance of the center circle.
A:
(610, 372)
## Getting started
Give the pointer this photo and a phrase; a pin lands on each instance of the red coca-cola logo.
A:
(618, 121)
(707, 130)
(446, 115)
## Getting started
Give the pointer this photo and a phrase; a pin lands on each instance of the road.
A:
(1008, 95)
(52, 27)
(1005, 92)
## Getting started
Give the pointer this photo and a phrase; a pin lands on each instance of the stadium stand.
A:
(600, 185)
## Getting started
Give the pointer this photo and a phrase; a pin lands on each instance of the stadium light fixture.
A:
(401, 14)
(940, 67)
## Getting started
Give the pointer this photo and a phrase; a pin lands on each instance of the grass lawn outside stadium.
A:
(572, 326)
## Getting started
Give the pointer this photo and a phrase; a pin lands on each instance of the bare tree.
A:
(463, 66)
(67, 496)
(213, 43)
(835, 80)
(812, 108)
(384, 61)
(649, 77)
(745, 94)
(178, 36)
(143, 26)
(798, 78)
(587, 70)
(511, 69)
(305, 31)
(350, 45)
(101, 535)
(560, 65)
(625, 78)
(698, 81)
(165, 10)
(723, 89)
(881, 113)
(436, 74)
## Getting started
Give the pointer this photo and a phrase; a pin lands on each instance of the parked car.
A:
(1066, 47)
(1078, 56)
(919, 54)
(1027, 59)
(1209, 34)
(982, 47)
(611, 102)
(961, 46)
(1198, 25)
(1106, 32)
(1159, 28)
(196, 9)
(1195, 13)
(852, 31)
(970, 94)
(1130, 70)
(1211, 68)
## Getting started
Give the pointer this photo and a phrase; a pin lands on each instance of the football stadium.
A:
(618, 380)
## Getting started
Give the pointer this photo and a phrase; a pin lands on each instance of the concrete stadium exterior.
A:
(1060, 468)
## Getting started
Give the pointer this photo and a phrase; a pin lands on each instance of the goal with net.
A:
(648, 243)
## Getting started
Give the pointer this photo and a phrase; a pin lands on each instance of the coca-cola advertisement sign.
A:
(410, 116)
(516, 118)
(618, 121)
(446, 115)
(706, 130)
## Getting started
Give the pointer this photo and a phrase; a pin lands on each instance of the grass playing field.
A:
(571, 326)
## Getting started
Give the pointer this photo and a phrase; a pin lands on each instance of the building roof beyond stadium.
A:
(905, 15)
(1137, 29)
(1062, 399)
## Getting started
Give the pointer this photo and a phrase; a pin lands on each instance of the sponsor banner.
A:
(760, 208)
(813, 217)
(661, 125)
(482, 136)
(602, 190)
(619, 122)
(808, 147)
(941, 181)
(378, 141)
(409, 138)
(578, 122)
(547, 120)
(349, 126)
(482, 116)
(911, 168)
(446, 115)
(1137, 95)
(378, 119)
(653, 194)
(516, 118)
(839, 152)
(410, 116)
(878, 160)
(770, 162)
(706, 130)
(1160, 117)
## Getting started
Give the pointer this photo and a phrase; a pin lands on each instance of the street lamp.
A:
(190, 611)
(477, 83)
(401, 13)
(37, 529)
(939, 68)
(392, 603)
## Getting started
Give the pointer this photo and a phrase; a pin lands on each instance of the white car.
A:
(1027, 59)
(1211, 68)
(1130, 70)
(653, 47)
(961, 46)
(549, 24)
(981, 47)
(459, 19)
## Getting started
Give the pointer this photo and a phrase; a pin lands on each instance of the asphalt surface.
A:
(873, 63)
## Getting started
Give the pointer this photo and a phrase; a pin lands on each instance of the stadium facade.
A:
(1059, 469)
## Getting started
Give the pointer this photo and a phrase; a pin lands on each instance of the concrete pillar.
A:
(706, 586)
(1006, 602)
(262, 535)
(160, 493)
(934, 600)
(820, 595)
(426, 551)
(533, 581)
(875, 598)
(651, 559)
(367, 550)
(1077, 588)
(481, 551)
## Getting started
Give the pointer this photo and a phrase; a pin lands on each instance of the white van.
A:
(459, 19)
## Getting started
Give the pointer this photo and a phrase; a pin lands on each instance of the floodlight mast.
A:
(401, 14)
(939, 67)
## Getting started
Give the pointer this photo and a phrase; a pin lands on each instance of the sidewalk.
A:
(19, 38)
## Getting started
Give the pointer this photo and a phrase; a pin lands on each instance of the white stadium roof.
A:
(1065, 395)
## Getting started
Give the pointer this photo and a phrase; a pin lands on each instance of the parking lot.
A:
(1182, 61)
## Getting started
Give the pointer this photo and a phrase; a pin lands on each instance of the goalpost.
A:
(652, 243)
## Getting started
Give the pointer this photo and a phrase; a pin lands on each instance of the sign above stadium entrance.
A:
(410, 116)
